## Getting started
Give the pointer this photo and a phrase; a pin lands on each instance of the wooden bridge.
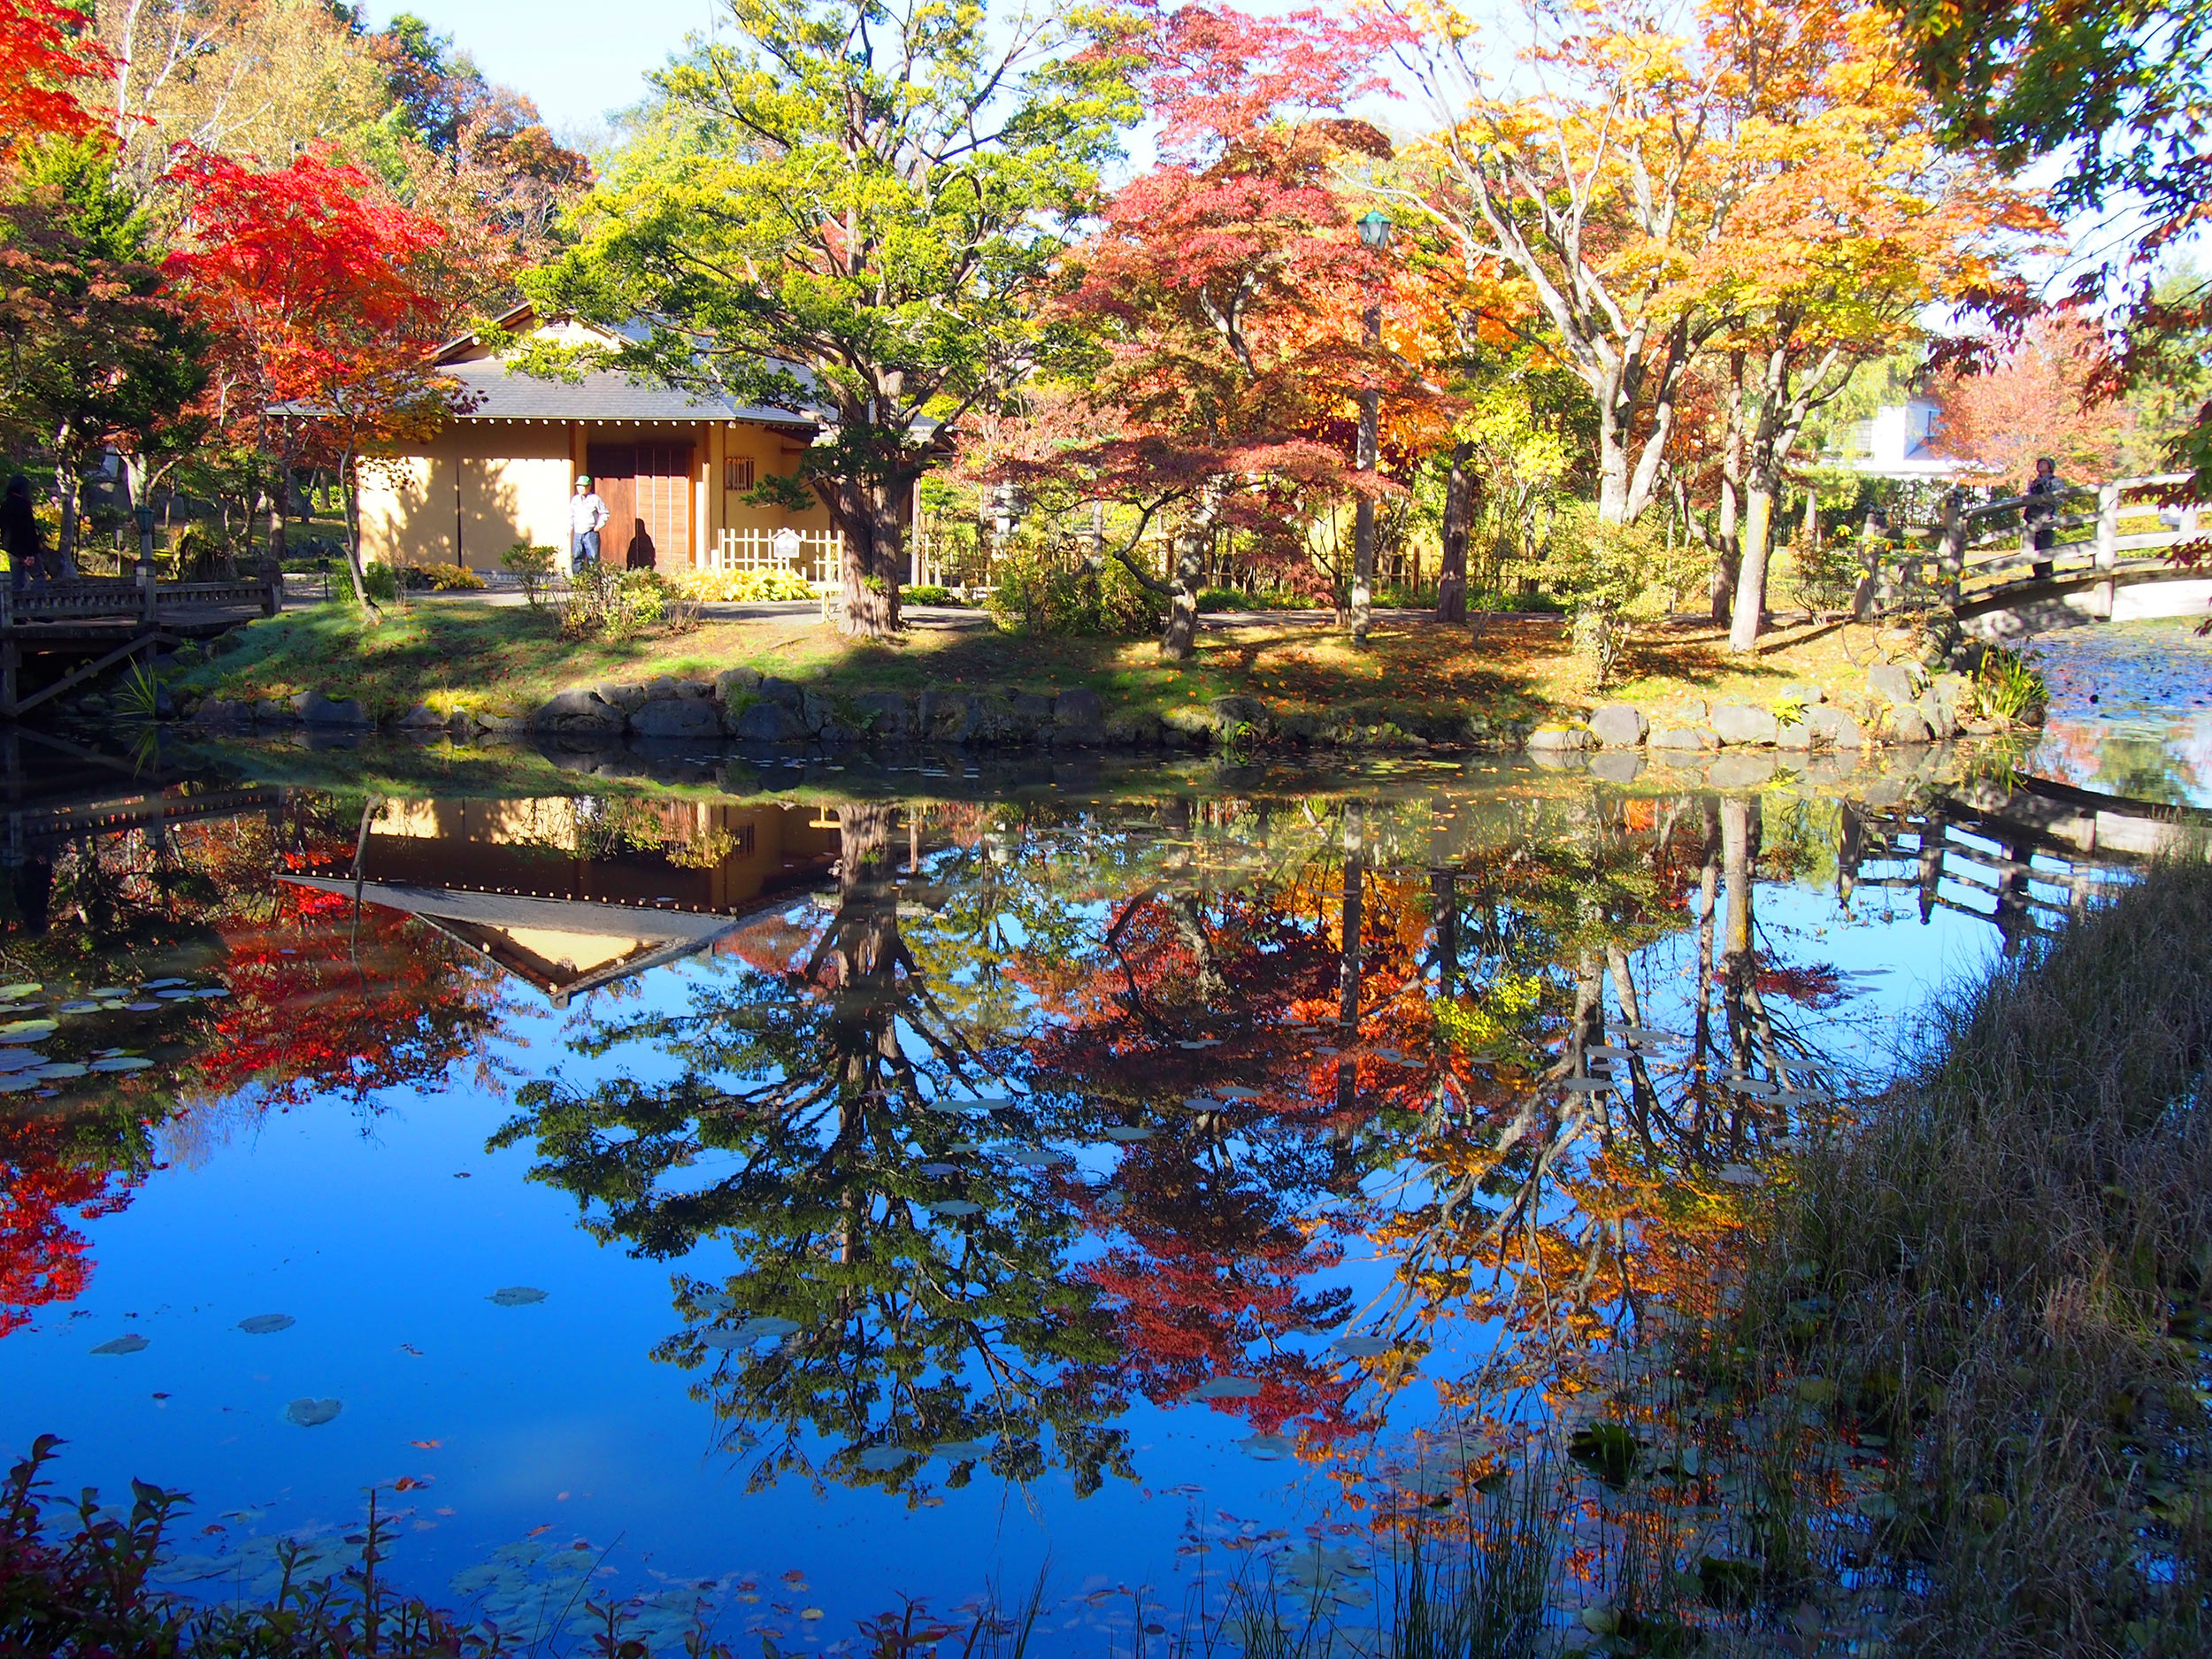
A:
(2022, 853)
(2111, 559)
(85, 627)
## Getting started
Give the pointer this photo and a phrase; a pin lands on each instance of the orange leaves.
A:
(44, 51)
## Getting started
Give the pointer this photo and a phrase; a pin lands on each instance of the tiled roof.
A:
(494, 392)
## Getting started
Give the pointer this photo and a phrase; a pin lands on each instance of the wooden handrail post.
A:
(1954, 557)
(2107, 546)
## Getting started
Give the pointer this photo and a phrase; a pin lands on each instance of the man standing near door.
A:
(586, 518)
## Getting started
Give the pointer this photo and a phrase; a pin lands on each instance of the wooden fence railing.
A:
(1980, 550)
(140, 598)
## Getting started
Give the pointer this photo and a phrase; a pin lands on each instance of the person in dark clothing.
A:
(19, 537)
(2040, 516)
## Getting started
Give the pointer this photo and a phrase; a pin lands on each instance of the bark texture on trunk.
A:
(1751, 576)
(868, 514)
(1451, 576)
(1193, 539)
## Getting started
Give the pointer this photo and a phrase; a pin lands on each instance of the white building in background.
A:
(1904, 441)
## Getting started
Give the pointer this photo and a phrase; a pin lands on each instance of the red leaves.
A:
(44, 50)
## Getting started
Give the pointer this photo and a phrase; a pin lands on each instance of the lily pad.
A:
(882, 1460)
(212, 991)
(18, 1082)
(1041, 1158)
(960, 1451)
(100, 991)
(1127, 1132)
(941, 1168)
(1606, 1051)
(716, 1301)
(1587, 1085)
(1237, 1091)
(1200, 1043)
(115, 1002)
(59, 1070)
(26, 987)
(155, 984)
(1757, 1088)
(1201, 1103)
(766, 1324)
(1267, 1448)
(1740, 1175)
(1226, 1389)
(20, 1059)
(28, 1030)
(517, 1296)
(176, 996)
(724, 1339)
(312, 1414)
(144, 1008)
(265, 1324)
(1643, 1035)
(121, 1063)
(129, 1344)
(954, 1206)
(1362, 1346)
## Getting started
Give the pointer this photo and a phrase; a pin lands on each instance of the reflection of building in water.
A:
(570, 893)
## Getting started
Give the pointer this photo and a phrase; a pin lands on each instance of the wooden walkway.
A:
(2106, 539)
(84, 627)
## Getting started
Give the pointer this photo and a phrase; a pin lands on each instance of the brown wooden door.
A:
(613, 468)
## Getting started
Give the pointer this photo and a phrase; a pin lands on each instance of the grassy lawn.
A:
(508, 659)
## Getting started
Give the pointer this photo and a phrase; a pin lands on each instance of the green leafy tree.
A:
(854, 207)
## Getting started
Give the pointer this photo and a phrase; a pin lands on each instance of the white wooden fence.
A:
(817, 555)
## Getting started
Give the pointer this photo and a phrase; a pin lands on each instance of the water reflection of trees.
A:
(1279, 1027)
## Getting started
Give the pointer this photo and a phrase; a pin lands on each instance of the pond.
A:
(768, 1193)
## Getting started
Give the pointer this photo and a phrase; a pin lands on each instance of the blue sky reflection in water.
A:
(776, 1290)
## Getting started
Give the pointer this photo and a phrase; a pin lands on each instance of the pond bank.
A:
(1512, 684)
(1963, 1393)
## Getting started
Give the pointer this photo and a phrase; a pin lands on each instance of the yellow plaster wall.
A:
(515, 484)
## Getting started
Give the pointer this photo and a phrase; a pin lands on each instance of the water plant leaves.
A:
(1362, 1346)
(954, 1206)
(28, 1030)
(57, 1070)
(766, 1324)
(1041, 1158)
(155, 984)
(1739, 1175)
(960, 1451)
(312, 1414)
(121, 1063)
(517, 1296)
(28, 987)
(880, 1460)
(129, 1344)
(941, 1168)
(1608, 1450)
(264, 1324)
(1267, 1448)
(1127, 1132)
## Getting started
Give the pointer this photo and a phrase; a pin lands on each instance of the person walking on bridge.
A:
(2040, 515)
(19, 535)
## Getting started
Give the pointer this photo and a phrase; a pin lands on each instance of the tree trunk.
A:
(1350, 961)
(351, 500)
(1451, 578)
(1192, 537)
(66, 487)
(1728, 567)
(875, 561)
(1751, 577)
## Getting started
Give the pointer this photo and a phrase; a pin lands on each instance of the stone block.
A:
(1033, 712)
(622, 694)
(782, 692)
(1692, 738)
(1907, 724)
(1689, 711)
(732, 683)
(1620, 724)
(1555, 736)
(219, 712)
(1561, 759)
(421, 717)
(987, 721)
(1739, 725)
(1800, 691)
(662, 687)
(1232, 712)
(1834, 728)
(577, 709)
(1138, 729)
(318, 710)
(1078, 718)
(1894, 683)
(677, 716)
(766, 722)
(817, 709)
(885, 713)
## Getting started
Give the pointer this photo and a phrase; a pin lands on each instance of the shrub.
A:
(2006, 685)
(1035, 596)
(1603, 570)
(621, 604)
(381, 583)
(531, 564)
(930, 594)
(450, 579)
(747, 588)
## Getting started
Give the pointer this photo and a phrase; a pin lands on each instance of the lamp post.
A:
(144, 513)
(1374, 231)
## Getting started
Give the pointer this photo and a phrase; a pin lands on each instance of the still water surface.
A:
(794, 1198)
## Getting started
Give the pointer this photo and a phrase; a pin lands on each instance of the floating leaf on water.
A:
(155, 984)
(26, 987)
(1267, 1448)
(954, 1206)
(1362, 1346)
(1126, 1131)
(1226, 1389)
(1041, 1158)
(1235, 1091)
(1608, 1450)
(114, 1004)
(517, 1296)
(715, 1301)
(176, 996)
(1201, 1103)
(129, 1344)
(941, 1168)
(1393, 1056)
(1586, 1085)
(1740, 1175)
(212, 991)
(882, 1460)
(724, 1339)
(312, 1414)
(766, 1324)
(1200, 1043)
(28, 1030)
(18, 1082)
(59, 1071)
(960, 1451)
(102, 991)
(144, 1008)
(264, 1324)
(1606, 1051)
(1323, 1047)
(955, 1107)
(121, 1063)
(20, 1059)
(1751, 1086)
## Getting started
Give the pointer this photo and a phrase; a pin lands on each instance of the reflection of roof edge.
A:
(507, 910)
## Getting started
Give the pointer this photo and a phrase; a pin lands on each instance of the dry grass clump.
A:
(2006, 1275)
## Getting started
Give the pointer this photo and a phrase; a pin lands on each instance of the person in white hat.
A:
(586, 518)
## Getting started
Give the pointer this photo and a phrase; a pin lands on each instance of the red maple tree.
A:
(45, 48)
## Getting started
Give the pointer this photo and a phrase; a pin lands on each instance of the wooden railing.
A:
(141, 598)
(1980, 550)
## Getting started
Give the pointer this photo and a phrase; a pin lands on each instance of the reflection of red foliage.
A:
(318, 1004)
(1809, 988)
(42, 1256)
